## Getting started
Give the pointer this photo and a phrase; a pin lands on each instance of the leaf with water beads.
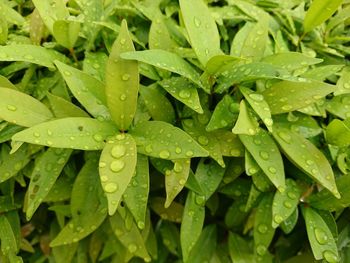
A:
(7, 236)
(173, 213)
(230, 144)
(288, 224)
(162, 140)
(75, 133)
(338, 133)
(266, 153)
(159, 37)
(286, 96)
(343, 82)
(21, 109)
(63, 108)
(122, 80)
(306, 157)
(66, 32)
(117, 167)
(224, 115)
(47, 169)
(339, 106)
(263, 230)
(3, 30)
(136, 194)
(259, 105)
(30, 53)
(191, 225)
(199, 26)
(129, 236)
(285, 203)
(236, 214)
(239, 249)
(175, 179)
(184, 91)
(320, 237)
(246, 122)
(88, 206)
(86, 89)
(158, 105)
(165, 60)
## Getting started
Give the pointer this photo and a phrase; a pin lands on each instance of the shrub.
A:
(174, 131)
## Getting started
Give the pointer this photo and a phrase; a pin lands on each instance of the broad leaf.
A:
(338, 133)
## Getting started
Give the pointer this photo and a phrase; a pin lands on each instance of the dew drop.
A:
(149, 148)
(36, 134)
(164, 154)
(257, 141)
(189, 153)
(184, 94)
(272, 169)
(287, 204)
(122, 41)
(118, 151)
(309, 162)
(285, 136)
(67, 73)
(182, 181)
(197, 22)
(251, 131)
(102, 164)
(178, 167)
(200, 199)
(141, 224)
(11, 107)
(262, 228)
(330, 256)
(287, 107)
(132, 248)
(264, 155)
(110, 187)
(203, 140)
(178, 150)
(117, 166)
(321, 236)
(268, 121)
(98, 137)
(122, 97)
(278, 219)
(261, 250)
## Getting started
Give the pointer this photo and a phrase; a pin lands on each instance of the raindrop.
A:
(102, 164)
(11, 107)
(268, 121)
(98, 137)
(67, 73)
(200, 199)
(126, 77)
(285, 137)
(164, 154)
(256, 97)
(36, 134)
(117, 166)
(261, 250)
(122, 97)
(291, 195)
(278, 219)
(184, 94)
(272, 169)
(257, 141)
(197, 22)
(110, 187)
(262, 228)
(141, 224)
(178, 150)
(122, 41)
(321, 236)
(118, 151)
(264, 155)
(203, 140)
(287, 204)
(178, 167)
(132, 248)
(189, 153)
(309, 162)
(330, 256)
(287, 107)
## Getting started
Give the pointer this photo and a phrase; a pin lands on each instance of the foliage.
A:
(174, 131)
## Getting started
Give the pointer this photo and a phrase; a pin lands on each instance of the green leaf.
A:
(117, 167)
(66, 32)
(239, 249)
(259, 105)
(130, 236)
(46, 171)
(175, 179)
(75, 133)
(306, 157)
(263, 230)
(63, 108)
(184, 91)
(122, 81)
(284, 204)
(338, 133)
(7, 236)
(88, 206)
(157, 104)
(291, 60)
(199, 25)
(339, 106)
(246, 122)
(30, 53)
(170, 237)
(88, 90)
(266, 153)
(286, 96)
(204, 248)
(229, 143)
(318, 12)
(288, 224)
(159, 37)
(136, 195)
(320, 237)
(10, 15)
(191, 225)
(173, 213)
(21, 109)
(165, 60)
(224, 115)
(326, 201)
(343, 82)
(162, 140)
(3, 30)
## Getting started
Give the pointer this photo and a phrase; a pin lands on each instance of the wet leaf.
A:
(21, 109)
(246, 122)
(117, 167)
(66, 32)
(75, 133)
(338, 133)
(239, 249)
(7, 236)
(288, 224)
(162, 140)
(306, 157)
(173, 213)
(63, 108)
(122, 81)
(291, 60)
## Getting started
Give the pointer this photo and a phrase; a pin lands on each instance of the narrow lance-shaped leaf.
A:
(338, 133)
(122, 80)
(173, 213)
(199, 25)
(246, 123)
(75, 133)
(306, 157)
(3, 30)
(46, 171)
(184, 91)
(192, 224)
(86, 89)
(136, 195)
(175, 179)
(88, 206)
(21, 109)
(320, 237)
(116, 167)
(66, 32)
(285, 203)
(239, 249)
(63, 108)
(7, 236)
(266, 153)
(320, 11)
(288, 224)
(159, 37)
(162, 140)
(286, 96)
(130, 236)
(165, 60)
(291, 60)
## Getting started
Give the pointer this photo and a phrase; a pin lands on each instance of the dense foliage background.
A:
(174, 131)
